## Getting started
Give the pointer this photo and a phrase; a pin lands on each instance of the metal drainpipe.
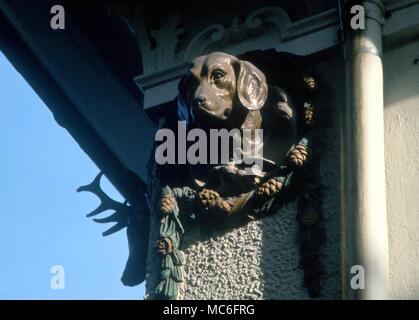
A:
(363, 194)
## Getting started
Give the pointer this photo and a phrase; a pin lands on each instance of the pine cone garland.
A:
(270, 187)
(167, 203)
(298, 156)
(209, 198)
(308, 114)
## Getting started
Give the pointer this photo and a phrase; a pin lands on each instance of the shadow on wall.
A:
(401, 73)
(283, 278)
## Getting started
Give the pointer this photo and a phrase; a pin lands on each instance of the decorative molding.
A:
(256, 24)
(167, 39)
(206, 39)
(263, 29)
(262, 18)
(161, 53)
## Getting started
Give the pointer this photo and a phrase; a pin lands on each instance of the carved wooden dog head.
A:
(218, 84)
(222, 91)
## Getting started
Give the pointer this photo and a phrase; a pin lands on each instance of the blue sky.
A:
(42, 218)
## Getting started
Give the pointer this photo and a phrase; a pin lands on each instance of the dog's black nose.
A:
(199, 100)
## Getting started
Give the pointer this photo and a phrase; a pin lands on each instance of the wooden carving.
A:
(221, 91)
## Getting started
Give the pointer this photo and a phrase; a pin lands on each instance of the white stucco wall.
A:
(401, 98)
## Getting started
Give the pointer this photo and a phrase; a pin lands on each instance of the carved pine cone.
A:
(298, 156)
(309, 114)
(167, 203)
(270, 187)
(310, 82)
(164, 245)
(209, 198)
(224, 205)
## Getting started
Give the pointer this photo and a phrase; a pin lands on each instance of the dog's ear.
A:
(252, 88)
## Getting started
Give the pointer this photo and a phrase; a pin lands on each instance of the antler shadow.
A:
(122, 211)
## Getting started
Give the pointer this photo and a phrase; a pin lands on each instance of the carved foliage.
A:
(158, 47)
(168, 51)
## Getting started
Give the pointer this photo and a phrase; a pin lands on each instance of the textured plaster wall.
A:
(401, 97)
(261, 259)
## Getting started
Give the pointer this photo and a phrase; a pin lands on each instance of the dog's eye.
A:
(218, 74)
